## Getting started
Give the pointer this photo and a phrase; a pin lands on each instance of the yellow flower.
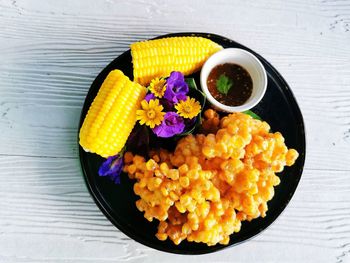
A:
(151, 113)
(188, 108)
(158, 87)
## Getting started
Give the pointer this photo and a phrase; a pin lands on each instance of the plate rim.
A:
(209, 249)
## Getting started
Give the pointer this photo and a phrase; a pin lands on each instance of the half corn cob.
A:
(112, 115)
(159, 57)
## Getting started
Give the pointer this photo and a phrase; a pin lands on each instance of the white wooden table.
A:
(50, 51)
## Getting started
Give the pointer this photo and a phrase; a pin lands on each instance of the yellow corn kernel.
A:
(138, 160)
(193, 174)
(173, 174)
(164, 191)
(131, 168)
(225, 240)
(173, 196)
(291, 156)
(184, 181)
(180, 207)
(209, 223)
(128, 157)
(159, 57)
(162, 237)
(158, 173)
(164, 168)
(186, 229)
(111, 116)
(185, 200)
(151, 165)
(183, 169)
(157, 182)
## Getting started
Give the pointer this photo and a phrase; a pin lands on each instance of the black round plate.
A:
(278, 107)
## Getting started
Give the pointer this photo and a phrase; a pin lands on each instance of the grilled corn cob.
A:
(112, 115)
(157, 58)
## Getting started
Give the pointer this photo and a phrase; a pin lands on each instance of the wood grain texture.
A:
(50, 53)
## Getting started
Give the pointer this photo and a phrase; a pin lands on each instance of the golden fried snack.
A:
(210, 183)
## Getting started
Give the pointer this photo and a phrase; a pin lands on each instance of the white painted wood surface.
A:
(50, 51)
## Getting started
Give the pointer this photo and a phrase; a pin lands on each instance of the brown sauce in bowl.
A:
(238, 79)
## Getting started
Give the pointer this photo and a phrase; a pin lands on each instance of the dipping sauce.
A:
(230, 84)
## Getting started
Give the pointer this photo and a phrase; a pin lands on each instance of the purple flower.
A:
(171, 125)
(176, 87)
(149, 96)
(112, 168)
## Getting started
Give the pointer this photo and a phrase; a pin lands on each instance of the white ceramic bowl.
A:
(246, 60)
